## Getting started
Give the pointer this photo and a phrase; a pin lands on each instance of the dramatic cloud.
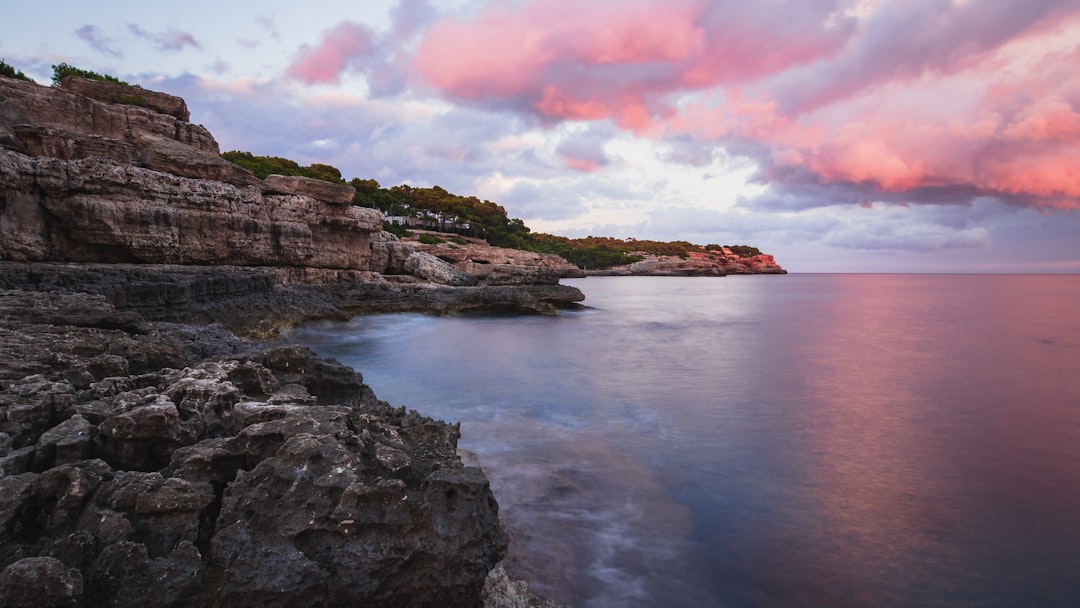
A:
(169, 40)
(838, 102)
(347, 44)
(97, 40)
(820, 130)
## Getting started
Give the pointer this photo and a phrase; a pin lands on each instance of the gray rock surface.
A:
(219, 473)
(431, 268)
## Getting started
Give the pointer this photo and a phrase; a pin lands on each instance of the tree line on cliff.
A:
(437, 209)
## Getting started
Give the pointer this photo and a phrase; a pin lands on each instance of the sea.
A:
(800, 440)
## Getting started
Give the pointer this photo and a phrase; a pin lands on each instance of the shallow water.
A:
(800, 440)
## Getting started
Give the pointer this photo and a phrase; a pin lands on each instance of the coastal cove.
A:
(842, 440)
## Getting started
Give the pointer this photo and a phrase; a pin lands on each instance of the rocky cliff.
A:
(95, 172)
(148, 454)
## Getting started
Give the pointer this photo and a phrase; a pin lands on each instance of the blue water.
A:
(801, 440)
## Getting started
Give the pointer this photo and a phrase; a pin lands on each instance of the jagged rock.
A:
(129, 95)
(70, 441)
(40, 582)
(500, 591)
(388, 254)
(338, 194)
(253, 479)
(431, 268)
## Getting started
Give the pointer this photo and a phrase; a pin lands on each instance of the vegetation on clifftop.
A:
(63, 69)
(262, 166)
(8, 70)
(435, 208)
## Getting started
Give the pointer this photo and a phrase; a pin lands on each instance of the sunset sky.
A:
(864, 135)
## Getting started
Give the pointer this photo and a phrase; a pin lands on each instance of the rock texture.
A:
(338, 194)
(97, 173)
(142, 457)
(144, 448)
(501, 266)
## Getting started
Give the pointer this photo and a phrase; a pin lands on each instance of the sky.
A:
(838, 135)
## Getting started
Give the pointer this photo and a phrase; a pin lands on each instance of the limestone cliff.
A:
(95, 172)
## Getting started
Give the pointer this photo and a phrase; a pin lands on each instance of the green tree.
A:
(9, 71)
(61, 70)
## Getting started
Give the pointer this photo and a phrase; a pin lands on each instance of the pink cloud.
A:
(566, 60)
(584, 165)
(974, 98)
(341, 45)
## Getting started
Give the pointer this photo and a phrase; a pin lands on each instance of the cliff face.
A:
(89, 181)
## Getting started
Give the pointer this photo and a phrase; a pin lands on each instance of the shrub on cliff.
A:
(431, 239)
(9, 71)
(744, 251)
(262, 166)
(63, 69)
(396, 230)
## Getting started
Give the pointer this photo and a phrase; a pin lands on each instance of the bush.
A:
(460, 240)
(131, 100)
(744, 251)
(62, 70)
(431, 239)
(11, 72)
(396, 230)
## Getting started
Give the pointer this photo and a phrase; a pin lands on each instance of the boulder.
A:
(127, 95)
(40, 582)
(431, 268)
(337, 194)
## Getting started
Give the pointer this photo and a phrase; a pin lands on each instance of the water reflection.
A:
(763, 441)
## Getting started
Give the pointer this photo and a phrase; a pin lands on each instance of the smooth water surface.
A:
(801, 440)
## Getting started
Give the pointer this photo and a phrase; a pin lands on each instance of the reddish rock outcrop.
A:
(696, 264)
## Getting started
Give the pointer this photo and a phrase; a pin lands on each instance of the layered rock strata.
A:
(88, 176)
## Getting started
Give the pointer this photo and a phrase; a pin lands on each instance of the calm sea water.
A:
(802, 440)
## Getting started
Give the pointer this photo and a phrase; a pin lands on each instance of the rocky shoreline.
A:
(151, 447)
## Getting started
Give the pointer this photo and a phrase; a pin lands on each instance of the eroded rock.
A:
(260, 477)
